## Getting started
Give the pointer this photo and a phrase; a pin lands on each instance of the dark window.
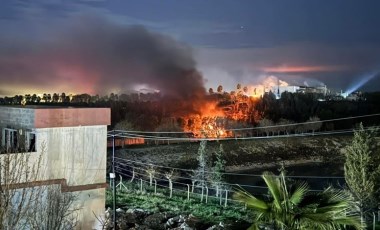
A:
(9, 140)
(32, 142)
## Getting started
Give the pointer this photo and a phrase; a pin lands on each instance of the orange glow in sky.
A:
(301, 69)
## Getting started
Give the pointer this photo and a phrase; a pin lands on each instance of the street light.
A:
(112, 177)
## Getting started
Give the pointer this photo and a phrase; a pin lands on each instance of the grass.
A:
(147, 200)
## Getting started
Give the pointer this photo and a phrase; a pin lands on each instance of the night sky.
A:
(99, 46)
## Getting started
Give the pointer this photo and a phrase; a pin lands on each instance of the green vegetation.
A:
(208, 208)
(288, 205)
(362, 171)
(151, 111)
(147, 200)
(216, 178)
(202, 165)
(293, 206)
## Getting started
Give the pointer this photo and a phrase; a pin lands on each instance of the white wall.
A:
(75, 153)
(78, 154)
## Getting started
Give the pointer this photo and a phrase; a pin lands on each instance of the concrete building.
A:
(278, 90)
(73, 146)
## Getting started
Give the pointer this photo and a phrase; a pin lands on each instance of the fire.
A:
(207, 124)
(218, 116)
(223, 111)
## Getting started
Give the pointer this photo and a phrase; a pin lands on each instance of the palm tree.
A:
(295, 207)
(219, 89)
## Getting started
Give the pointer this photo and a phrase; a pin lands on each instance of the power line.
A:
(310, 122)
(226, 173)
(254, 128)
(157, 138)
(159, 132)
(146, 137)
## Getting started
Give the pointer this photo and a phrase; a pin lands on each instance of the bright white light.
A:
(144, 88)
(362, 81)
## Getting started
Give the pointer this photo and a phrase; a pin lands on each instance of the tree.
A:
(284, 126)
(63, 98)
(54, 211)
(171, 175)
(124, 125)
(34, 98)
(295, 207)
(238, 86)
(169, 126)
(44, 97)
(361, 169)
(55, 98)
(48, 97)
(202, 165)
(27, 98)
(300, 129)
(25, 205)
(194, 178)
(151, 171)
(268, 106)
(16, 203)
(219, 89)
(266, 126)
(216, 176)
(17, 99)
(314, 124)
(245, 89)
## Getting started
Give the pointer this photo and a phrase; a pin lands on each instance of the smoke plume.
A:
(97, 56)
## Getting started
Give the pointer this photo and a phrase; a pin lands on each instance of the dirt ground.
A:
(242, 154)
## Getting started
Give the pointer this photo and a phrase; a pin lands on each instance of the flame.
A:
(206, 127)
(215, 118)
(216, 115)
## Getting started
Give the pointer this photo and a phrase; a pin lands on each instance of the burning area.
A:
(211, 116)
(104, 57)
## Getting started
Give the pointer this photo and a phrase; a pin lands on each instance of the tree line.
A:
(151, 111)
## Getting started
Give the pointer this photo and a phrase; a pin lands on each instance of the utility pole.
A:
(112, 177)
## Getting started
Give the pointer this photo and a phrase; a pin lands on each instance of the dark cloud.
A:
(87, 54)
(95, 56)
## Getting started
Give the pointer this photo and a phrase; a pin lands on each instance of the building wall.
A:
(77, 154)
(73, 145)
(84, 207)
(70, 117)
(90, 203)
(20, 163)
(17, 117)
(282, 89)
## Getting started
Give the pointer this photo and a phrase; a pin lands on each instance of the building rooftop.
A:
(43, 107)
(48, 116)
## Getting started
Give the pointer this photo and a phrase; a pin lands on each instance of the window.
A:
(14, 140)
(30, 141)
(9, 139)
